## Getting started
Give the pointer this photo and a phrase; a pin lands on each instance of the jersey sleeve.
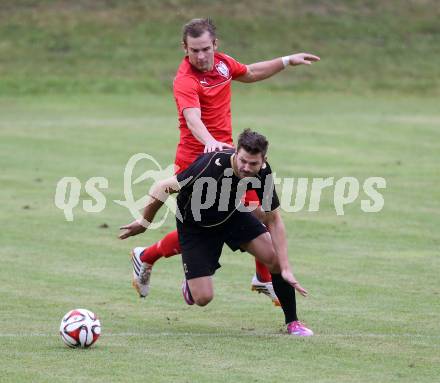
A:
(186, 93)
(267, 193)
(237, 69)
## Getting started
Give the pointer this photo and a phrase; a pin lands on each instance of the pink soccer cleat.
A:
(186, 293)
(298, 329)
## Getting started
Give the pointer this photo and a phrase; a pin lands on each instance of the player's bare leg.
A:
(201, 290)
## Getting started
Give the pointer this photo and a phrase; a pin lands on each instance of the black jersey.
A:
(211, 192)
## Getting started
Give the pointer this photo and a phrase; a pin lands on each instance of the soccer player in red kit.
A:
(202, 91)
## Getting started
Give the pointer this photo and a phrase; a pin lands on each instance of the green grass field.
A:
(85, 84)
(373, 278)
(126, 46)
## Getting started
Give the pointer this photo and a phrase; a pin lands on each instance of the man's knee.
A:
(203, 299)
(201, 290)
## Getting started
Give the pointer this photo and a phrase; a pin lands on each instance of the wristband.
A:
(143, 222)
(286, 60)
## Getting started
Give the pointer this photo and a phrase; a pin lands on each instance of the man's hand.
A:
(132, 229)
(289, 278)
(214, 145)
(302, 58)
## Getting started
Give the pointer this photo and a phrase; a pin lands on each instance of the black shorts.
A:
(202, 247)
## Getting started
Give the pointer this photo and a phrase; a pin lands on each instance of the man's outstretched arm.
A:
(275, 226)
(159, 193)
(199, 131)
(265, 69)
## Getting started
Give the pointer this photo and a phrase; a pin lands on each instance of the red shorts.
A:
(181, 164)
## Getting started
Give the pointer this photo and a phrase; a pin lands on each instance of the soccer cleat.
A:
(266, 288)
(299, 329)
(186, 293)
(141, 272)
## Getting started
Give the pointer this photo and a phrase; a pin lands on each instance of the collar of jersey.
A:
(233, 165)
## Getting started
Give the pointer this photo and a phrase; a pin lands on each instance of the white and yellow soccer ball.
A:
(80, 328)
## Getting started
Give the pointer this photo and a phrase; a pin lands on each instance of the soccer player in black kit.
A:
(211, 213)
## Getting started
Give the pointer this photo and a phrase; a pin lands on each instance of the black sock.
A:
(286, 296)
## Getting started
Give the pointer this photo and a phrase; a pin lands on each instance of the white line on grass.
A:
(248, 334)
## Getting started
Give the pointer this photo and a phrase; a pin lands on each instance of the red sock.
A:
(166, 247)
(263, 273)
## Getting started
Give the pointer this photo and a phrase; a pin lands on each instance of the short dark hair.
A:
(252, 142)
(197, 27)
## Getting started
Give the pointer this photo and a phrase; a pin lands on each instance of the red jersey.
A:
(211, 93)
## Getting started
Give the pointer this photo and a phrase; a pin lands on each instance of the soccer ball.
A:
(80, 328)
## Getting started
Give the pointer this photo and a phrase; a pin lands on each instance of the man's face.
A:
(200, 51)
(247, 164)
